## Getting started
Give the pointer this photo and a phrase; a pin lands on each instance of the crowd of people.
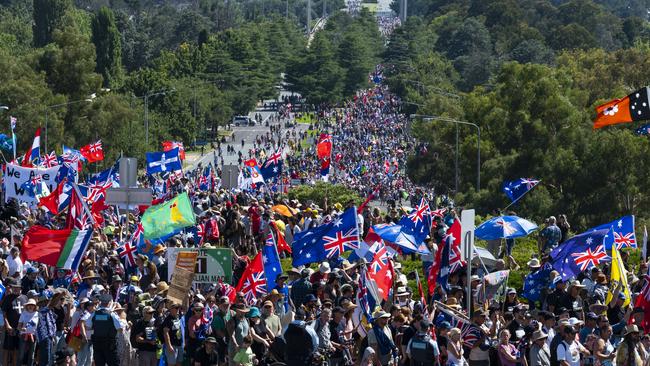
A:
(112, 313)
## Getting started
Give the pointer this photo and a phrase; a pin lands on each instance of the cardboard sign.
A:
(179, 285)
(212, 265)
(15, 176)
(187, 260)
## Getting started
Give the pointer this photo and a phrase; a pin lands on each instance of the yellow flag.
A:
(618, 278)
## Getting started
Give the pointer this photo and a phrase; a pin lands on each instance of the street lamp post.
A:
(146, 109)
(478, 141)
(47, 109)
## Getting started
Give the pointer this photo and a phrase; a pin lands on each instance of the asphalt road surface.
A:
(246, 133)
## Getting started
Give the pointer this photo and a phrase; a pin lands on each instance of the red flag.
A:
(170, 145)
(251, 163)
(44, 245)
(368, 199)
(51, 202)
(280, 242)
(432, 276)
(324, 146)
(423, 299)
(93, 152)
(634, 107)
(253, 281)
(456, 261)
(381, 271)
(386, 166)
(643, 302)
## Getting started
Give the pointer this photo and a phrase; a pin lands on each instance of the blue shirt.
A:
(46, 327)
(552, 234)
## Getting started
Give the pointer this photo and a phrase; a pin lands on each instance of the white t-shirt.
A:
(14, 265)
(569, 353)
(30, 321)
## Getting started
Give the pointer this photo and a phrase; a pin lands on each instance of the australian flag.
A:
(418, 222)
(582, 252)
(272, 167)
(536, 281)
(327, 241)
(271, 261)
(394, 234)
(205, 179)
(517, 188)
(166, 161)
(643, 130)
(109, 175)
(624, 236)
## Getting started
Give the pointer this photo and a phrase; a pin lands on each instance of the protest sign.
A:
(15, 176)
(212, 264)
(179, 285)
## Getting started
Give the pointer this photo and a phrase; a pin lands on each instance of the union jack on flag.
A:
(420, 212)
(49, 160)
(254, 286)
(126, 253)
(624, 240)
(95, 147)
(588, 259)
(340, 242)
(274, 159)
(380, 260)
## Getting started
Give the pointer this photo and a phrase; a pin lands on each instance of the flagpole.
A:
(518, 198)
(644, 251)
(83, 203)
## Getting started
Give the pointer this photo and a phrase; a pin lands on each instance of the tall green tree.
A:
(48, 16)
(108, 47)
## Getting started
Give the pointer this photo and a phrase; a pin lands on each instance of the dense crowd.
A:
(112, 313)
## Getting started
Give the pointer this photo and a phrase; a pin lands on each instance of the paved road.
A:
(248, 134)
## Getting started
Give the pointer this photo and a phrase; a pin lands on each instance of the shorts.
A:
(11, 342)
(176, 356)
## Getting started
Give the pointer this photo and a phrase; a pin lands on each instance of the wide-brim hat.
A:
(401, 291)
(381, 314)
(534, 263)
(158, 249)
(631, 329)
(162, 286)
(89, 275)
(324, 268)
(598, 308)
(349, 305)
(30, 302)
(241, 308)
(538, 334)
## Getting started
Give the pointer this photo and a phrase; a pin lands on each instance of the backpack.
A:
(554, 360)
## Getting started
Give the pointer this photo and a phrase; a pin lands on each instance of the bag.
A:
(75, 343)
(74, 339)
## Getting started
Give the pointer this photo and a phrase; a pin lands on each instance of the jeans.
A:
(85, 356)
(26, 351)
(46, 352)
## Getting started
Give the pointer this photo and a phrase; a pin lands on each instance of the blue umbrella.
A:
(506, 227)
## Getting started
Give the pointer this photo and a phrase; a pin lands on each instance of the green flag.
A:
(167, 217)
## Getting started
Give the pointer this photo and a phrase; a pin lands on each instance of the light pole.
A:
(194, 97)
(90, 98)
(478, 140)
(146, 109)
